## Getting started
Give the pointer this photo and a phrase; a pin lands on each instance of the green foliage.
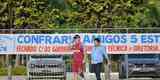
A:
(4, 19)
(110, 13)
(61, 14)
(114, 66)
(19, 70)
(152, 15)
(3, 71)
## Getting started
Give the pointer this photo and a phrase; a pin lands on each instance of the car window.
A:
(142, 56)
(46, 56)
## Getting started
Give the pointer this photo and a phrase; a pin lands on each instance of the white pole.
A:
(9, 68)
(107, 68)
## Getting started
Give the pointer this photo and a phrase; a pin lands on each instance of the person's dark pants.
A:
(97, 70)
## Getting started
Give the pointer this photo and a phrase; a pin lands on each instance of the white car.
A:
(46, 67)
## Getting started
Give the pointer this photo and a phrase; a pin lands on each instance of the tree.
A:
(29, 14)
(51, 14)
(109, 13)
(151, 17)
(4, 16)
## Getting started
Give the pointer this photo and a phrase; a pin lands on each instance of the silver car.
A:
(46, 67)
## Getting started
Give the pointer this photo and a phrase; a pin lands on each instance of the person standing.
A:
(97, 57)
(78, 57)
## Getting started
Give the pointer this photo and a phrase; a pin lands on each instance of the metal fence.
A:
(87, 30)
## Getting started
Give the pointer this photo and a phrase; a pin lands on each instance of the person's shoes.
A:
(82, 75)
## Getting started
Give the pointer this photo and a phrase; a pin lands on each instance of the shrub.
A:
(3, 71)
(114, 66)
(19, 70)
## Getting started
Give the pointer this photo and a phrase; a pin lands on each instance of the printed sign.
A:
(60, 43)
(7, 44)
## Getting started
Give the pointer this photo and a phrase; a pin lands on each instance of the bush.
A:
(3, 71)
(19, 70)
(1, 65)
(114, 66)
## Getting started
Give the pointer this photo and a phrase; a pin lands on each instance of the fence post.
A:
(9, 63)
(126, 61)
(9, 68)
(107, 69)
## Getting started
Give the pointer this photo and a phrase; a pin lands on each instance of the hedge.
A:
(19, 70)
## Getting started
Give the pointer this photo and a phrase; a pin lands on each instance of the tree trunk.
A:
(98, 24)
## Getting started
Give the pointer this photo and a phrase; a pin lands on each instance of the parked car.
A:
(140, 65)
(46, 67)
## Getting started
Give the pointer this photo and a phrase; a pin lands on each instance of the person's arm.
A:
(73, 47)
(85, 54)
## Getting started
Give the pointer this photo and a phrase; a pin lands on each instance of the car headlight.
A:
(131, 65)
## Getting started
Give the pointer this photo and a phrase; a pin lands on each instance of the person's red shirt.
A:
(78, 56)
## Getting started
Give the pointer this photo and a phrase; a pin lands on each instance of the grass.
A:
(19, 70)
(22, 70)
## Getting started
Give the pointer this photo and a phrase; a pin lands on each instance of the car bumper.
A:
(144, 72)
(143, 69)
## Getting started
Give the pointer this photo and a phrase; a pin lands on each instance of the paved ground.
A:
(114, 76)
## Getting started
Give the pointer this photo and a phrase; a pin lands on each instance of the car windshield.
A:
(141, 56)
(46, 56)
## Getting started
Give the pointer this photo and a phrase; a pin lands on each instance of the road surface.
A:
(90, 76)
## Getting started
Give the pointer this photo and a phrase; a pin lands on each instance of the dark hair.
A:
(97, 39)
(76, 36)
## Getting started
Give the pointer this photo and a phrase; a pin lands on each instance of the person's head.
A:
(97, 41)
(77, 38)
